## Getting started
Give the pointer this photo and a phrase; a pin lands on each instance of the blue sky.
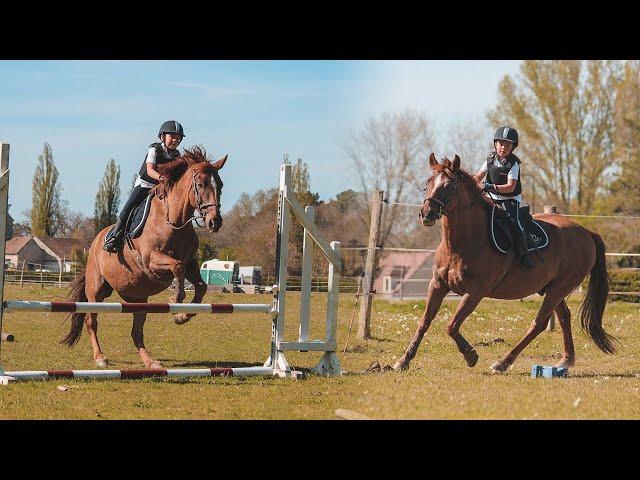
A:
(91, 111)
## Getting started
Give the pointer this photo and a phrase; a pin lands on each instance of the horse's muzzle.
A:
(214, 224)
(427, 219)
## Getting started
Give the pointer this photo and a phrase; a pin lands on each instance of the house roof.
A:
(15, 244)
(411, 260)
(62, 247)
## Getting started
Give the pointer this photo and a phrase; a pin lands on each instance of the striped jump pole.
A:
(124, 307)
(141, 373)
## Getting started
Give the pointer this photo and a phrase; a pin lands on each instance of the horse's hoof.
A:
(471, 357)
(400, 366)
(102, 363)
(498, 367)
(182, 318)
(565, 363)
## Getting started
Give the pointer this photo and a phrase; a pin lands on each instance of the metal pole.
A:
(4, 206)
(551, 326)
(305, 287)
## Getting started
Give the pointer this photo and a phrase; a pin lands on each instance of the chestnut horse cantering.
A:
(166, 250)
(467, 264)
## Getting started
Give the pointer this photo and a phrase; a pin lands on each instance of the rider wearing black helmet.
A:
(502, 169)
(171, 134)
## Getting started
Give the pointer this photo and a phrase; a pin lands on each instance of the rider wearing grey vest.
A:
(502, 169)
(171, 133)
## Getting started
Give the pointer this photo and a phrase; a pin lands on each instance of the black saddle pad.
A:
(500, 230)
(137, 219)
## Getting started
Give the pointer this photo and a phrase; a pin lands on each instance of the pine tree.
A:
(108, 197)
(46, 208)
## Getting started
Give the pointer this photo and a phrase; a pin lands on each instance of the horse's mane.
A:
(464, 178)
(196, 158)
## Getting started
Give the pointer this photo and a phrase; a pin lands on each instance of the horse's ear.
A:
(432, 161)
(220, 163)
(447, 162)
(456, 163)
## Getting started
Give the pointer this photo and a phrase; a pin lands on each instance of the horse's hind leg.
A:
(563, 314)
(100, 290)
(137, 334)
(192, 273)
(549, 304)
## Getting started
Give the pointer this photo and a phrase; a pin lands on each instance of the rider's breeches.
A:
(137, 195)
(513, 209)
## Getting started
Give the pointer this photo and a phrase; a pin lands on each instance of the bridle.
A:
(201, 208)
(452, 190)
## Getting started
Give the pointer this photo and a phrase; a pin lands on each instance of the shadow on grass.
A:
(205, 364)
(381, 339)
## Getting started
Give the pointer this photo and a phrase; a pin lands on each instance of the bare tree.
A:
(470, 139)
(390, 153)
(625, 188)
(564, 111)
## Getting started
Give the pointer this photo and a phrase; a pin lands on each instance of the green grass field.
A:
(438, 385)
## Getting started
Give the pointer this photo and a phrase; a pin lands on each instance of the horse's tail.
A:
(593, 303)
(77, 294)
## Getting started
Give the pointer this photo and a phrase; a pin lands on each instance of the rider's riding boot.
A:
(525, 259)
(114, 243)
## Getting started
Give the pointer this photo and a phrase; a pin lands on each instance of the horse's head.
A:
(206, 187)
(440, 190)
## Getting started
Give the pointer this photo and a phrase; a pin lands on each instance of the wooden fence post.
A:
(369, 271)
(22, 273)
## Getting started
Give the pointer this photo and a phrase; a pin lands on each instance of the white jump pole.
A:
(4, 206)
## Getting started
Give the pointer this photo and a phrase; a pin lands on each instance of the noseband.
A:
(443, 205)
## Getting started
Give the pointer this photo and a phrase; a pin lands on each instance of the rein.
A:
(442, 212)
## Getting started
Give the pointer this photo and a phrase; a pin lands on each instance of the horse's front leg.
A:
(192, 273)
(435, 295)
(465, 307)
(160, 264)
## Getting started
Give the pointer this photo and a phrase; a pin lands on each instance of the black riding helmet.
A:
(171, 126)
(507, 133)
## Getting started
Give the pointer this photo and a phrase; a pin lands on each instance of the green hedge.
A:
(624, 280)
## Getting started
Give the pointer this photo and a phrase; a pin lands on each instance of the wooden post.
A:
(22, 273)
(369, 272)
(60, 274)
(41, 277)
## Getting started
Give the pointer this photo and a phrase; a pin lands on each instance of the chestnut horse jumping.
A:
(467, 264)
(165, 250)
